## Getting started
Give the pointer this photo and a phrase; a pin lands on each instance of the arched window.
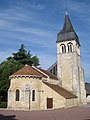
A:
(70, 47)
(17, 95)
(33, 95)
(63, 48)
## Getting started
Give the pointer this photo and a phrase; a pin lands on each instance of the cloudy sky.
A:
(35, 23)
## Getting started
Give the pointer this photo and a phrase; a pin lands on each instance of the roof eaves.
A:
(13, 76)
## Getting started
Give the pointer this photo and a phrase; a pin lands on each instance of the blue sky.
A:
(35, 23)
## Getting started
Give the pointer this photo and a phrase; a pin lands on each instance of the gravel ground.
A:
(76, 113)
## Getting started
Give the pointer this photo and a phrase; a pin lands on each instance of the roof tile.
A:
(28, 70)
(61, 90)
(33, 71)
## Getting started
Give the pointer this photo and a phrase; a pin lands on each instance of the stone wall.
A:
(26, 85)
(58, 100)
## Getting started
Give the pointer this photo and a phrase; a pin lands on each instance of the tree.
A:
(6, 69)
(25, 57)
(14, 63)
(35, 60)
(21, 54)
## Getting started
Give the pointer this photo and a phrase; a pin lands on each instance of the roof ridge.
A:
(40, 71)
(27, 70)
(33, 71)
(47, 72)
(67, 27)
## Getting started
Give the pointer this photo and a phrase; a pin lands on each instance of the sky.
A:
(35, 23)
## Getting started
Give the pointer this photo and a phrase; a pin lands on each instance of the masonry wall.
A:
(70, 73)
(71, 102)
(42, 92)
(25, 85)
(58, 100)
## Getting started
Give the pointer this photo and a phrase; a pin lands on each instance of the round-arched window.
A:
(63, 48)
(33, 95)
(17, 95)
(70, 47)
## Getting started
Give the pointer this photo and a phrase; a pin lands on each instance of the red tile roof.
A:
(33, 71)
(49, 74)
(29, 71)
(66, 94)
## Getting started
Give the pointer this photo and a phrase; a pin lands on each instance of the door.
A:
(49, 103)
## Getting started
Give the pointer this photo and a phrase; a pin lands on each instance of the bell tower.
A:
(69, 69)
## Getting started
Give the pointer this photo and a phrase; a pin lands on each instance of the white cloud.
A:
(28, 23)
(37, 6)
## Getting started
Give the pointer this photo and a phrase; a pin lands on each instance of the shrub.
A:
(3, 104)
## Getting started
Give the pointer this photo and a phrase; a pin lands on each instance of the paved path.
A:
(77, 113)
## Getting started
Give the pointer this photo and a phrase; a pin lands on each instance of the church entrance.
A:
(49, 103)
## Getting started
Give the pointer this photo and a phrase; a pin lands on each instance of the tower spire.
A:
(67, 32)
(66, 11)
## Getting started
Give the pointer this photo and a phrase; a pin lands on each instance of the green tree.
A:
(35, 60)
(21, 54)
(25, 57)
(6, 69)
(12, 64)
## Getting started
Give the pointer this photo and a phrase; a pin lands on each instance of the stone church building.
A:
(61, 86)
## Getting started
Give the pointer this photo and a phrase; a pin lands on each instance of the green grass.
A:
(3, 104)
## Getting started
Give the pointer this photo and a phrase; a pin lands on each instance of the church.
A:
(61, 86)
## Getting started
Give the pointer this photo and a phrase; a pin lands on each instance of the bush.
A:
(3, 104)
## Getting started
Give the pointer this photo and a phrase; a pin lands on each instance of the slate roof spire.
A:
(67, 33)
